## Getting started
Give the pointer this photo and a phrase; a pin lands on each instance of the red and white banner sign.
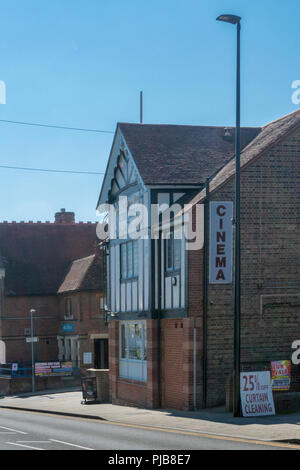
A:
(256, 394)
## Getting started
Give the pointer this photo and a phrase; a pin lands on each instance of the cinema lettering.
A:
(220, 243)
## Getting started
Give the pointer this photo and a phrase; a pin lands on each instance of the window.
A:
(173, 253)
(133, 350)
(133, 341)
(68, 308)
(102, 303)
(129, 260)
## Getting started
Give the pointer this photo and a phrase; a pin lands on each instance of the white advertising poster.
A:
(256, 394)
(87, 358)
(220, 242)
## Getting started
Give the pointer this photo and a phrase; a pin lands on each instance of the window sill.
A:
(139, 361)
(130, 279)
(128, 380)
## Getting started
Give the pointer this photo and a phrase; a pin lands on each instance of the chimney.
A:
(64, 217)
(228, 134)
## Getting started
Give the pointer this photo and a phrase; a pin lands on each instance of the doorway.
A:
(101, 354)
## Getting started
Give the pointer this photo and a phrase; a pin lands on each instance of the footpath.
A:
(282, 427)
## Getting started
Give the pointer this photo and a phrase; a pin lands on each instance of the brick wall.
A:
(270, 270)
(17, 318)
(131, 392)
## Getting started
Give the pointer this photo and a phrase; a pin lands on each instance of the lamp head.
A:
(233, 19)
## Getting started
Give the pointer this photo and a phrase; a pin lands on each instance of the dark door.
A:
(101, 353)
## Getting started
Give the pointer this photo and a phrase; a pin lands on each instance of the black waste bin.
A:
(89, 389)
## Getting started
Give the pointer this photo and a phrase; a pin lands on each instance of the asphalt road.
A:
(37, 431)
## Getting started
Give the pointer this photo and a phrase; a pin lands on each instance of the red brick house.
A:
(81, 307)
(34, 274)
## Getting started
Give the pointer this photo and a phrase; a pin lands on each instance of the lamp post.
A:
(237, 263)
(32, 311)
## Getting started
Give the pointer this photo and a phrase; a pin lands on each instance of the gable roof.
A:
(271, 134)
(36, 256)
(175, 154)
(83, 274)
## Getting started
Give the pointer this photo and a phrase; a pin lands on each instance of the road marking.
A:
(168, 430)
(35, 442)
(13, 430)
(69, 444)
(23, 445)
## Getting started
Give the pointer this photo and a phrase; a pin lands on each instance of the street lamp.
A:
(237, 260)
(32, 311)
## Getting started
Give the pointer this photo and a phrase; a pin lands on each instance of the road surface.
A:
(22, 430)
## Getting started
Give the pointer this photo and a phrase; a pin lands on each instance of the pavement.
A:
(214, 421)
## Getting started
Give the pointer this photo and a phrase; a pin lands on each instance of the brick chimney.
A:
(64, 217)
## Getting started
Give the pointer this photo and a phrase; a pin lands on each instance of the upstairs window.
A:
(68, 308)
(129, 260)
(173, 253)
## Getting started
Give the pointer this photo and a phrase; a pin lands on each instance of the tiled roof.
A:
(174, 154)
(1, 262)
(36, 256)
(83, 274)
(270, 135)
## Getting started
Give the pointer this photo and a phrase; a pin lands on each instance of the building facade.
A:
(83, 336)
(154, 295)
(37, 260)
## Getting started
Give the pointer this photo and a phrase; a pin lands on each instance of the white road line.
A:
(69, 444)
(23, 445)
(35, 442)
(13, 430)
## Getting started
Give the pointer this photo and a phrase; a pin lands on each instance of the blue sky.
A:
(83, 63)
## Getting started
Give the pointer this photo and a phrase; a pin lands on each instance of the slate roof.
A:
(175, 154)
(36, 256)
(269, 136)
(84, 274)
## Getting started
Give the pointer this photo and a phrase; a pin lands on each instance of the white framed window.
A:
(133, 350)
(129, 260)
(173, 253)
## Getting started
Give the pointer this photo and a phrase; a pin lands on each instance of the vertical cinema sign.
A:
(220, 243)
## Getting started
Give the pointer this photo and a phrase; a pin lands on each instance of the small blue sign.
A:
(68, 327)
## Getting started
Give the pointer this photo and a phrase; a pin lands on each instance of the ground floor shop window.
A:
(133, 350)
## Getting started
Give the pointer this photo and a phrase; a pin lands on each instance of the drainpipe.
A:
(156, 312)
(159, 242)
(195, 367)
(205, 293)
